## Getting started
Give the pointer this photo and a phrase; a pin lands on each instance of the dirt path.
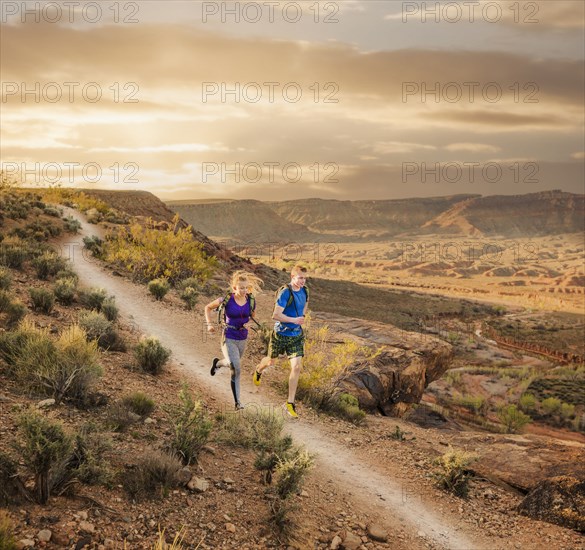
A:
(178, 330)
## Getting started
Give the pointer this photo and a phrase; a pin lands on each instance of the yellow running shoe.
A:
(290, 409)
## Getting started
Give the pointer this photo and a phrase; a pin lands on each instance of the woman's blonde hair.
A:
(254, 282)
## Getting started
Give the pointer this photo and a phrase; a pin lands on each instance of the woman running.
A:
(237, 309)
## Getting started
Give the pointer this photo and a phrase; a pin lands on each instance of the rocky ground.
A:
(368, 489)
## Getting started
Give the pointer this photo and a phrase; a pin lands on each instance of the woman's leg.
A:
(234, 350)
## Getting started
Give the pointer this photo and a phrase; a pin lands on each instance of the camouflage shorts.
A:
(291, 346)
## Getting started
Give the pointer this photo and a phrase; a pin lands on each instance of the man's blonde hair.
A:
(297, 270)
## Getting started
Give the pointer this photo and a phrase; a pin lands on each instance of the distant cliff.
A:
(310, 220)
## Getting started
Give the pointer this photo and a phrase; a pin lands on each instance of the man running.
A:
(287, 336)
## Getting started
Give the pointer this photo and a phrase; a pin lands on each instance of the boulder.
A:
(559, 500)
(397, 378)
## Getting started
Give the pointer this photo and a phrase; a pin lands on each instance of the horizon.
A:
(348, 100)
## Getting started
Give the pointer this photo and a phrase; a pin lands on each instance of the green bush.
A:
(87, 462)
(54, 212)
(92, 298)
(97, 328)
(151, 355)
(42, 299)
(139, 403)
(347, 406)
(567, 411)
(551, 405)
(513, 419)
(5, 278)
(65, 291)
(527, 402)
(94, 244)
(71, 224)
(159, 288)
(119, 417)
(14, 309)
(154, 475)
(48, 264)
(191, 427)
(44, 447)
(452, 474)
(110, 309)
(190, 296)
(150, 253)
(65, 368)
(67, 273)
(290, 472)
(474, 404)
(252, 428)
(13, 253)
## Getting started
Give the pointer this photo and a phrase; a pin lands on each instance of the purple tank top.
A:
(236, 317)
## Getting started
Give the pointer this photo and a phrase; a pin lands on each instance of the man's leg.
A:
(264, 363)
(293, 380)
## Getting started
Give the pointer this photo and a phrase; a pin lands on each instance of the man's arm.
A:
(278, 315)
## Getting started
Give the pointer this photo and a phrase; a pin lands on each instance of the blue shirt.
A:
(295, 309)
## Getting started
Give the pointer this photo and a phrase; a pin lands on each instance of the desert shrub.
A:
(65, 368)
(253, 428)
(44, 446)
(94, 244)
(14, 252)
(191, 427)
(110, 309)
(67, 273)
(87, 462)
(71, 224)
(325, 368)
(139, 403)
(98, 328)
(11, 488)
(527, 402)
(567, 411)
(151, 355)
(65, 291)
(154, 475)
(51, 211)
(119, 417)
(13, 309)
(512, 418)
(452, 474)
(474, 404)
(5, 278)
(159, 288)
(7, 541)
(551, 405)
(42, 299)
(190, 296)
(92, 298)
(453, 377)
(192, 282)
(290, 472)
(48, 264)
(149, 254)
(347, 406)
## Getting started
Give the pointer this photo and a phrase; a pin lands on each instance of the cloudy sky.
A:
(283, 100)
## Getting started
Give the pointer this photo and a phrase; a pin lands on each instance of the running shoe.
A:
(290, 409)
(256, 378)
(214, 367)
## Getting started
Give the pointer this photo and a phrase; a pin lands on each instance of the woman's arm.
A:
(208, 308)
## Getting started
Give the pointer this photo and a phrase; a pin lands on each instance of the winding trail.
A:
(371, 489)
